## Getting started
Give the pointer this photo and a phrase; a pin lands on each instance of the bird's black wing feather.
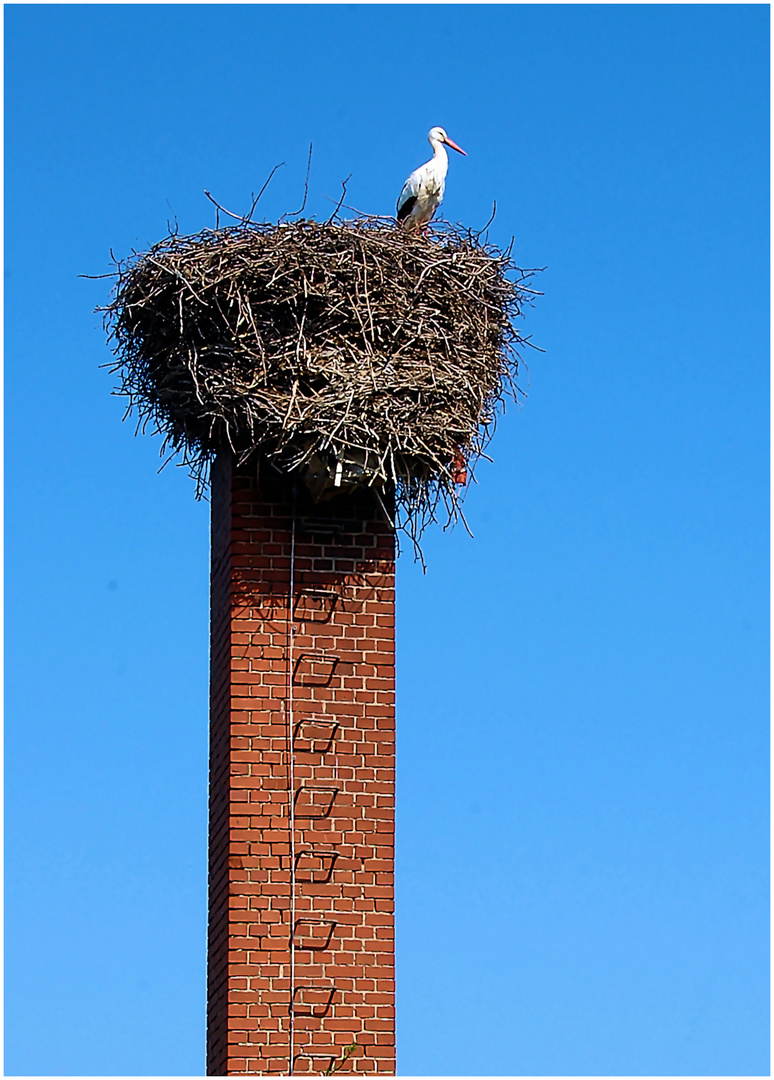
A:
(406, 208)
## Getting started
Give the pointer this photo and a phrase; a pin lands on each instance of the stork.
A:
(423, 191)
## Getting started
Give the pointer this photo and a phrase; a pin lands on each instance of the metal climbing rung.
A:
(312, 1000)
(315, 660)
(308, 1055)
(315, 605)
(316, 864)
(315, 800)
(326, 526)
(305, 741)
(321, 941)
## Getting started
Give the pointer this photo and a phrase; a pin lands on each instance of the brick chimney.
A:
(302, 765)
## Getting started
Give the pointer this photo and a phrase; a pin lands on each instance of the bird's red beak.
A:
(454, 146)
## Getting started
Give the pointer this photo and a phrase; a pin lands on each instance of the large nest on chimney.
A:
(346, 353)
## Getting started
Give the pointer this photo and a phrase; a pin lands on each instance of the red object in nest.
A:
(459, 470)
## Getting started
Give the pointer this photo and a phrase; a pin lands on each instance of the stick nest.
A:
(348, 353)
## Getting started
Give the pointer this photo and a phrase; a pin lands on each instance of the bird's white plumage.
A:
(422, 193)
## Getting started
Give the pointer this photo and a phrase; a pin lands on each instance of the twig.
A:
(494, 211)
(169, 228)
(375, 218)
(295, 213)
(336, 1065)
(257, 197)
(241, 217)
(237, 217)
(341, 200)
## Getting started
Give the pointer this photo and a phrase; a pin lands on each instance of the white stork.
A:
(423, 191)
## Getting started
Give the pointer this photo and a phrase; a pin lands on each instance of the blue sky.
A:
(582, 839)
